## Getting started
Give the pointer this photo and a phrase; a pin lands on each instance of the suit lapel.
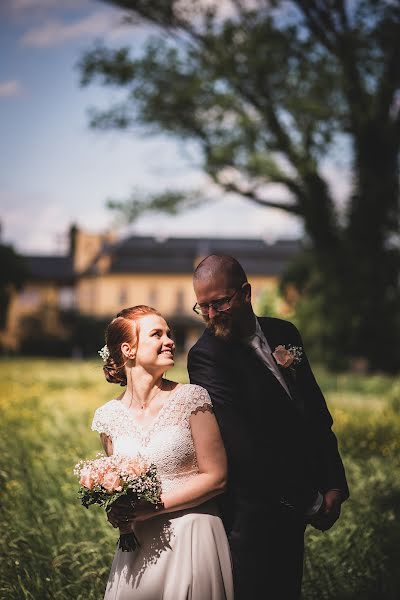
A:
(272, 335)
(270, 332)
(260, 375)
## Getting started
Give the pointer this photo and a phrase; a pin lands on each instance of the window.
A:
(29, 298)
(180, 300)
(66, 298)
(153, 297)
(123, 297)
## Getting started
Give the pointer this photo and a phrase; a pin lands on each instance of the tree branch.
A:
(269, 116)
(397, 127)
(311, 15)
(252, 195)
(390, 80)
(320, 22)
(341, 10)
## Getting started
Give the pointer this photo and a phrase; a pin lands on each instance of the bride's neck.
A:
(143, 385)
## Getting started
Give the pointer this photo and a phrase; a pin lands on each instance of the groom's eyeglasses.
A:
(218, 305)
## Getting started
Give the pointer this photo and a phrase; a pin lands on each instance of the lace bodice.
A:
(167, 441)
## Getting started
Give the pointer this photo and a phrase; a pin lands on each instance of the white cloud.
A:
(30, 5)
(22, 12)
(18, 229)
(55, 32)
(20, 5)
(10, 88)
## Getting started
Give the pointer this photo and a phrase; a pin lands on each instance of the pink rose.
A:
(282, 356)
(87, 479)
(134, 467)
(111, 482)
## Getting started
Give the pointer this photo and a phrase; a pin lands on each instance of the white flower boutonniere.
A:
(289, 356)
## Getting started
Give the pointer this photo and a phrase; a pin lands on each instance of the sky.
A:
(55, 170)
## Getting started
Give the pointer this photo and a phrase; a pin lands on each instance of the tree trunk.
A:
(373, 222)
(358, 281)
(319, 215)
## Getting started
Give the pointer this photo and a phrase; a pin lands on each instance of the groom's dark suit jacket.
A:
(280, 450)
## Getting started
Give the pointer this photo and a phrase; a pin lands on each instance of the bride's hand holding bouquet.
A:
(126, 487)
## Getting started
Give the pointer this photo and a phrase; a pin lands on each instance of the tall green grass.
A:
(358, 558)
(53, 549)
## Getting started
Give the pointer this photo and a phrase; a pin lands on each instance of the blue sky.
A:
(55, 170)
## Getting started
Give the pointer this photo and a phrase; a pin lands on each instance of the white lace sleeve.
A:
(101, 421)
(198, 399)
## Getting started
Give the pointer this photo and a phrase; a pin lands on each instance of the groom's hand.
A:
(329, 512)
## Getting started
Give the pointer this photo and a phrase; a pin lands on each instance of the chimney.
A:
(85, 247)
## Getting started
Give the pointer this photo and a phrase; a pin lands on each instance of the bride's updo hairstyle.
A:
(124, 328)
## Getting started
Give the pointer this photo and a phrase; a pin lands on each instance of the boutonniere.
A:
(289, 356)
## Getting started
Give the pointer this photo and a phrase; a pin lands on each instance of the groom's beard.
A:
(223, 327)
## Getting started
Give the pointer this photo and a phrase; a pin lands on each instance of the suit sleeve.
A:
(215, 372)
(212, 372)
(330, 469)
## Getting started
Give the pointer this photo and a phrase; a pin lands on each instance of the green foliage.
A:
(267, 90)
(362, 549)
(270, 303)
(321, 320)
(78, 334)
(85, 334)
(52, 548)
(169, 201)
(359, 556)
(340, 313)
(13, 272)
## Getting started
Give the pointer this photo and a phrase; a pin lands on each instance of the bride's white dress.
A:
(183, 555)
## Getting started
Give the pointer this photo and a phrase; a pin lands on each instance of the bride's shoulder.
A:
(193, 388)
(104, 416)
(107, 407)
(196, 395)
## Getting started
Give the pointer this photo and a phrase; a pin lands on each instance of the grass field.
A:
(54, 549)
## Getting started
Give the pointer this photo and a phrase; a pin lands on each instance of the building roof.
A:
(53, 268)
(140, 254)
(145, 254)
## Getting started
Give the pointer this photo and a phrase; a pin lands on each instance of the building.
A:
(101, 275)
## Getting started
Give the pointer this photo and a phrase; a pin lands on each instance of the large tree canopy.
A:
(268, 90)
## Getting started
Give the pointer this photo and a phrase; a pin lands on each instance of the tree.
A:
(13, 272)
(268, 89)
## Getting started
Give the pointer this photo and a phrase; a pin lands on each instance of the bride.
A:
(184, 551)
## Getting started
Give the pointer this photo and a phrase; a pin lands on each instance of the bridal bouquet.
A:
(105, 479)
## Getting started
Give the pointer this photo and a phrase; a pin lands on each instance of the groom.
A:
(284, 466)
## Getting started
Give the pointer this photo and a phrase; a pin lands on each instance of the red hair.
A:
(124, 328)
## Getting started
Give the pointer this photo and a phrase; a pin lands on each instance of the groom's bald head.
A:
(221, 278)
(220, 266)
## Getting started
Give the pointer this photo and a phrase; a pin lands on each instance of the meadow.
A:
(54, 549)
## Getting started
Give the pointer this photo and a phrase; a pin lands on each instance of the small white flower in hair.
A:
(104, 353)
